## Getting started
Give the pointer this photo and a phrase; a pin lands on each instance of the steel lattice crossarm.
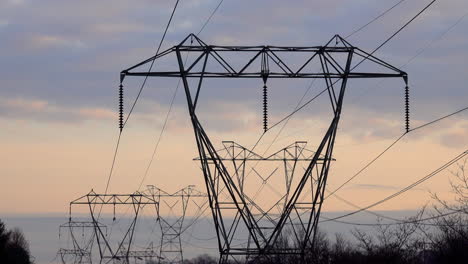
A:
(75, 256)
(80, 224)
(234, 206)
(276, 66)
(146, 254)
(113, 199)
(294, 152)
(76, 252)
(156, 192)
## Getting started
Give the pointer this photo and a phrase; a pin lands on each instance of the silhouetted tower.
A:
(172, 209)
(264, 234)
(124, 251)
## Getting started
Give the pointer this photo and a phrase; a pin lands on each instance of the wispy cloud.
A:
(54, 41)
(40, 110)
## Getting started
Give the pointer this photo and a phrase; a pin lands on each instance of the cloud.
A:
(40, 110)
(120, 27)
(456, 138)
(113, 34)
(16, 2)
(25, 105)
(97, 113)
(51, 41)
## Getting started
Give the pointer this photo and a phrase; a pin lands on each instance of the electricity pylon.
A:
(81, 236)
(169, 212)
(332, 63)
(172, 209)
(125, 251)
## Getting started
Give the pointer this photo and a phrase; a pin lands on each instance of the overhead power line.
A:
(418, 127)
(287, 118)
(152, 64)
(363, 59)
(172, 102)
(409, 221)
(390, 146)
(396, 32)
(136, 99)
(439, 119)
(209, 18)
(374, 19)
(366, 166)
(300, 107)
(416, 183)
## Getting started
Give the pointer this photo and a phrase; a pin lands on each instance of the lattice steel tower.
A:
(172, 209)
(266, 233)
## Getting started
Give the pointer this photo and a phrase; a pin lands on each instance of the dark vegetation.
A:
(442, 239)
(14, 248)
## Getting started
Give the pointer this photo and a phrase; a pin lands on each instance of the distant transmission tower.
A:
(81, 236)
(124, 253)
(172, 210)
(264, 231)
(74, 256)
(168, 211)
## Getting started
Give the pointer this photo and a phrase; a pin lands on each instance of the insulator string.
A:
(121, 107)
(265, 108)
(407, 109)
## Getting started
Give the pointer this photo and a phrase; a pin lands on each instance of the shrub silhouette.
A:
(14, 248)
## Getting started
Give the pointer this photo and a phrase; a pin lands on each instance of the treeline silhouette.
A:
(448, 243)
(14, 248)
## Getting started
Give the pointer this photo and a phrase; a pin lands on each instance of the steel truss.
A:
(81, 243)
(169, 211)
(74, 256)
(333, 63)
(124, 253)
(172, 222)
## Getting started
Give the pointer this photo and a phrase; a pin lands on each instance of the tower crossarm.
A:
(225, 61)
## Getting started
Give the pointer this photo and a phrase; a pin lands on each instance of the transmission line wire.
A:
(393, 144)
(418, 127)
(287, 118)
(209, 18)
(396, 33)
(136, 99)
(365, 58)
(170, 106)
(415, 221)
(396, 221)
(374, 19)
(376, 49)
(298, 108)
(172, 103)
(366, 166)
(151, 65)
(421, 180)
(439, 119)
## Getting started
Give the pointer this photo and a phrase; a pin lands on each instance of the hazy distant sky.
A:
(60, 63)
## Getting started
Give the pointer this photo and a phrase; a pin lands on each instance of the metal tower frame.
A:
(74, 256)
(172, 225)
(81, 251)
(123, 254)
(336, 68)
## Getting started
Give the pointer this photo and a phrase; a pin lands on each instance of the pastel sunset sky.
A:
(59, 70)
